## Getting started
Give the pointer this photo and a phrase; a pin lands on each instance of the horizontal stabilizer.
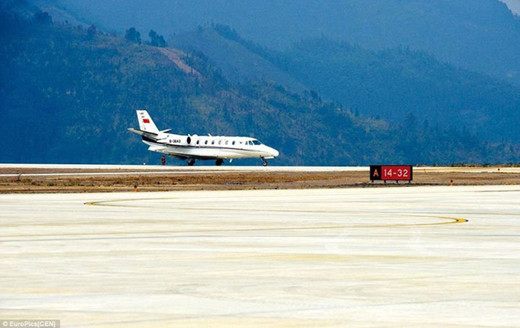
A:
(143, 133)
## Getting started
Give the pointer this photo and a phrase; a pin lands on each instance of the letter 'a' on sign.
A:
(375, 172)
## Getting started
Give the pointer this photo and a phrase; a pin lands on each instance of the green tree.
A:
(91, 32)
(156, 40)
(133, 35)
(43, 18)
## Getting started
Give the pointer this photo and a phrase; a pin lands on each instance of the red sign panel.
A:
(396, 172)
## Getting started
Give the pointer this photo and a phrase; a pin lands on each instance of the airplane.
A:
(194, 147)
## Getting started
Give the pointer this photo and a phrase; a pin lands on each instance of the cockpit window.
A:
(256, 142)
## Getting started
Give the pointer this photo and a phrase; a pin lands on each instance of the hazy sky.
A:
(514, 5)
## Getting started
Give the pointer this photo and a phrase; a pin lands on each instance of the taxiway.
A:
(379, 257)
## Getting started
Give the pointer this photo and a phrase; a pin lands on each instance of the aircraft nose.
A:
(274, 152)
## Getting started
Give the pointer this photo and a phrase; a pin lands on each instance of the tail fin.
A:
(145, 122)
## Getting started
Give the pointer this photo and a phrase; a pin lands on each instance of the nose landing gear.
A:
(264, 162)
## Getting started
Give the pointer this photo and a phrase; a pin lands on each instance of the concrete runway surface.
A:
(375, 257)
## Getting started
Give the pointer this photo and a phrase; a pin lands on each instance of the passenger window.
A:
(233, 142)
(206, 142)
(213, 142)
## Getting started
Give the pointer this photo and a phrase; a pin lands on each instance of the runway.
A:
(364, 257)
(41, 170)
(49, 170)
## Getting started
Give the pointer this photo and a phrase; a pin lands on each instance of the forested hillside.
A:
(69, 93)
(394, 83)
(389, 84)
(240, 61)
(480, 35)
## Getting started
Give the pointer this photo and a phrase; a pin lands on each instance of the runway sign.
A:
(391, 172)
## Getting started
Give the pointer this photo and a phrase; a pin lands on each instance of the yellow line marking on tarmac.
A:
(449, 220)
(175, 232)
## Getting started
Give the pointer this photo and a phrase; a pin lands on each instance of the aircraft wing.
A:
(157, 148)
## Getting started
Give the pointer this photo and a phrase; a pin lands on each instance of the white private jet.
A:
(193, 147)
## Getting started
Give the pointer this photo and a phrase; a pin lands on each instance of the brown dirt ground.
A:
(229, 180)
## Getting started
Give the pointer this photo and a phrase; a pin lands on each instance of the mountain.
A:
(240, 60)
(394, 83)
(479, 35)
(68, 94)
(389, 84)
(513, 5)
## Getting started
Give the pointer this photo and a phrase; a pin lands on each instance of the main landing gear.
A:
(219, 162)
(191, 161)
